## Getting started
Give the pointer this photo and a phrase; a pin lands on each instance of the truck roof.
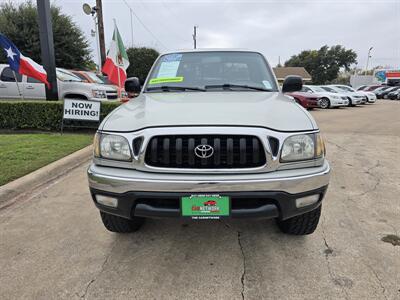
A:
(209, 50)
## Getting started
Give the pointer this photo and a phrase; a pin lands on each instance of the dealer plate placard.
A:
(81, 110)
(205, 206)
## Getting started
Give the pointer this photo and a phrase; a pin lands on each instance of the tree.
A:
(324, 64)
(140, 61)
(20, 25)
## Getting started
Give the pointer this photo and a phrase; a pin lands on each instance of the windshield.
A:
(64, 75)
(345, 88)
(200, 71)
(316, 89)
(94, 77)
(328, 89)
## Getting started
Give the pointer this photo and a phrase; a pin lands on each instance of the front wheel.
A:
(302, 224)
(350, 103)
(121, 225)
(324, 103)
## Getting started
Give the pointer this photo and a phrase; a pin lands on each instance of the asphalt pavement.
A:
(54, 246)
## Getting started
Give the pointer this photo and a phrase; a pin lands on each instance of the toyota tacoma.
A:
(210, 126)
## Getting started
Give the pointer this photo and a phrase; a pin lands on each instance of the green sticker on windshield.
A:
(166, 79)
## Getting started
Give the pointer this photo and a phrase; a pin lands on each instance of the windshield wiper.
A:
(228, 85)
(167, 88)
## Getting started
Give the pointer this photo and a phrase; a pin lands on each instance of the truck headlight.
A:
(99, 94)
(302, 147)
(112, 146)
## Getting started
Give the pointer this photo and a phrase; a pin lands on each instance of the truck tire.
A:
(302, 224)
(121, 225)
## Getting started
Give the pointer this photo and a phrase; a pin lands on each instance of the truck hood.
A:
(86, 85)
(262, 109)
(105, 87)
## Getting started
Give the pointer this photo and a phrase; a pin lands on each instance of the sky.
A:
(278, 29)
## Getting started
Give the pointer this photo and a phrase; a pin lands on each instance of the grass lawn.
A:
(21, 154)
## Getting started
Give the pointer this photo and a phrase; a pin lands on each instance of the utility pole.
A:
(100, 26)
(369, 56)
(195, 37)
(130, 10)
(47, 47)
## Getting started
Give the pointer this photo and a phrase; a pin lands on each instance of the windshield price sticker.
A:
(164, 80)
(169, 65)
(267, 84)
(81, 110)
(205, 206)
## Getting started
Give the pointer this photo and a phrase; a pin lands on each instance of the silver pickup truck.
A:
(210, 136)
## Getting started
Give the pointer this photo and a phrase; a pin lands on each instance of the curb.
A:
(44, 175)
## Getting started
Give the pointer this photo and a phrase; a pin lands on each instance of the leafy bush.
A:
(41, 115)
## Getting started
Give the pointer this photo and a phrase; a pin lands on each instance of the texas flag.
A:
(22, 64)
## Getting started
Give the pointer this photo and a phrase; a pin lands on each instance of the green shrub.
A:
(42, 115)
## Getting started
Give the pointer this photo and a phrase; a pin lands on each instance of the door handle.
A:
(3, 86)
(29, 87)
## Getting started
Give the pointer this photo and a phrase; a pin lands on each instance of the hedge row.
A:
(41, 115)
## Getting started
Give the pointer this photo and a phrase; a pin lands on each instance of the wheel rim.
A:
(324, 103)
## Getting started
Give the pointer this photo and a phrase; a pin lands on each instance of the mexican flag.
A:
(117, 60)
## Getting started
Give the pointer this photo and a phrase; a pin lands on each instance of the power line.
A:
(144, 26)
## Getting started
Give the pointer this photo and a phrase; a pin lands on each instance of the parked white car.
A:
(351, 102)
(370, 97)
(328, 99)
(354, 97)
(69, 86)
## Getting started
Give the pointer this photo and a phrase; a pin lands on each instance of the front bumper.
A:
(312, 104)
(262, 195)
(339, 102)
(356, 101)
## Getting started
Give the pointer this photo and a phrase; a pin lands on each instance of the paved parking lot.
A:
(53, 245)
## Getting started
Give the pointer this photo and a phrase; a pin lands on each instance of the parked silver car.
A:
(210, 136)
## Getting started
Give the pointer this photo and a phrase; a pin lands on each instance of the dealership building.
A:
(380, 76)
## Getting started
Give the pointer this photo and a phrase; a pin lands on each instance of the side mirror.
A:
(132, 85)
(292, 84)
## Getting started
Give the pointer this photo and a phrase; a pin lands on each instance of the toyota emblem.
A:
(204, 151)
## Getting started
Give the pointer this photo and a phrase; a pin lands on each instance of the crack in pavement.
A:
(328, 251)
(97, 275)
(242, 279)
(378, 279)
(378, 179)
(340, 147)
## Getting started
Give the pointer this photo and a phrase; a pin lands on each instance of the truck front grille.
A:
(221, 151)
(111, 96)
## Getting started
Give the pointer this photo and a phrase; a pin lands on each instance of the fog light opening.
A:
(107, 201)
(308, 200)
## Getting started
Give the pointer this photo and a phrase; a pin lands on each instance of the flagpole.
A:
(19, 91)
(119, 79)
